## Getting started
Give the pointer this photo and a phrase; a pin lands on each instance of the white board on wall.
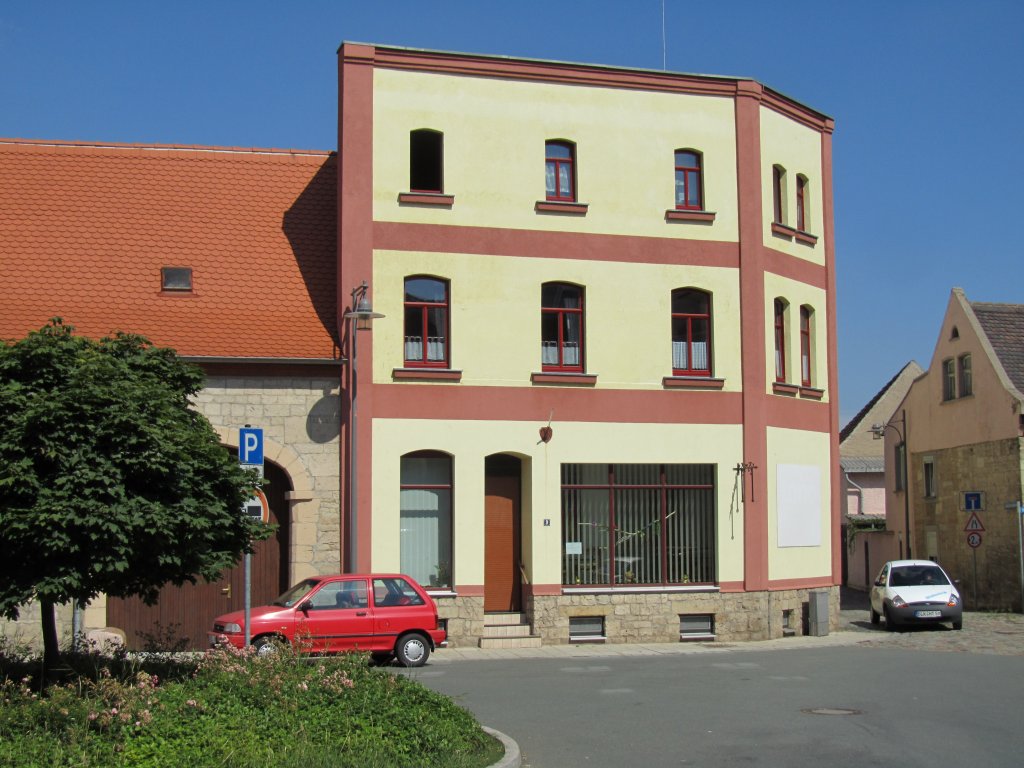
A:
(798, 505)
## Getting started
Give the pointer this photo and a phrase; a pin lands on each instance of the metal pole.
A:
(248, 598)
(1020, 545)
(353, 452)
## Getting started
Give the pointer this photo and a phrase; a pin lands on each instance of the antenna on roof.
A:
(664, 65)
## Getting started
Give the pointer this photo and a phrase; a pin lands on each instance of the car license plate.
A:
(928, 614)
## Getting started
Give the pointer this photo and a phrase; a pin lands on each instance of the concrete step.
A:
(507, 630)
(531, 641)
(492, 619)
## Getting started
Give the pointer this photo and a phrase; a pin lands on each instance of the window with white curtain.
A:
(561, 343)
(425, 541)
(426, 322)
(691, 332)
(638, 524)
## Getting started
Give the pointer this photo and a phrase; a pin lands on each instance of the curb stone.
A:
(512, 758)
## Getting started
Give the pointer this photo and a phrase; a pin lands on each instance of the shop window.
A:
(425, 538)
(780, 307)
(562, 327)
(691, 332)
(638, 524)
(560, 171)
(426, 161)
(426, 322)
(948, 379)
(689, 180)
(965, 375)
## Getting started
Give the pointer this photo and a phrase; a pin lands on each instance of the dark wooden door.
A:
(183, 615)
(502, 589)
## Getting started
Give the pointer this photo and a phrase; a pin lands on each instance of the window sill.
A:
(679, 214)
(436, 199)
(591, 640)
(782, 388)
(573, 379)
(426, 374)
(812, 393)
(554, 206)
(783, 230)
(692, 382)
(659, 588)
(805, 237)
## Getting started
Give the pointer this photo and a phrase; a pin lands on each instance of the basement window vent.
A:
(586, 629)
(788, 628)
(176, 278)
(697, 626)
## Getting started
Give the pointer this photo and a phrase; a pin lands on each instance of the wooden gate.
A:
(182, 615)
(502, 588)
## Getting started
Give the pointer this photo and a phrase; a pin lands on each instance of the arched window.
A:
(780, 339)
(560, 171)
(691, 332)
(806, 373)
(779, 193)
(689, 180)
(561, 325)
(426, 322)
(426, 161)
(425, 538)
(802, 211)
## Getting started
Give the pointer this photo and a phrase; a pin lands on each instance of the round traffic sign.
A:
(974, 539)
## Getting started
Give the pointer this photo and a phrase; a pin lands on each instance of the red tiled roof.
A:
(85, 229)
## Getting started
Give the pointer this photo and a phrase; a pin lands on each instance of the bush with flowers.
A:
(229, 708)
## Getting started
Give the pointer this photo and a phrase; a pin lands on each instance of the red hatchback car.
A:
(386, 614)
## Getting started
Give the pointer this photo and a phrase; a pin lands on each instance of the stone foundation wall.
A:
(28, 629)
(647, 617)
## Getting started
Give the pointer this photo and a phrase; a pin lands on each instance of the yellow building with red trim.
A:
(599, 396)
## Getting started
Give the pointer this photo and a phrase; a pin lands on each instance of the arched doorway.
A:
(183, 615)
(502, 537)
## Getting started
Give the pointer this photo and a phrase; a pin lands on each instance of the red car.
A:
(386, 614)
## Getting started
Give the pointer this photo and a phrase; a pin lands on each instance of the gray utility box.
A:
(817, 612)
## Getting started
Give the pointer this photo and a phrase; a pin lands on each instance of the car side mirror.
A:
(879, 582)
(303, 606)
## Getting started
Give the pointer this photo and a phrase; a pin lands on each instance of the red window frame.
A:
(555, 163)
(563, 319)
(780, 340)
(688, 319)
(423, 309)
(778, 173)
(805, 346)
(692, 178)
(801, 203)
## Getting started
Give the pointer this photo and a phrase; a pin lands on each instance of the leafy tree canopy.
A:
(110, 481)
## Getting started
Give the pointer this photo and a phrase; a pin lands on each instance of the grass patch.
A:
(229, 708)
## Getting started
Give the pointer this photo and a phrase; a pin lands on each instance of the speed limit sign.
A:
(974, 540)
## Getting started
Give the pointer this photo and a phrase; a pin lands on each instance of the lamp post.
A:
(878, 430)
(363, 316)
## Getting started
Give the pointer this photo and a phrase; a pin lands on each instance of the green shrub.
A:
(230, 708)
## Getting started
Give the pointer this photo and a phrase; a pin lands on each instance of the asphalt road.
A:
(850, 706)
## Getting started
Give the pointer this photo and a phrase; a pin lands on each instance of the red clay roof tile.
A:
(85, 229)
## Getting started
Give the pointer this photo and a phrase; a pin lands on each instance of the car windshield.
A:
(296, 593)
(918, 576)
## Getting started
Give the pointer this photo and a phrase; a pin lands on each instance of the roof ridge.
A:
(846, 431)
(163, 147)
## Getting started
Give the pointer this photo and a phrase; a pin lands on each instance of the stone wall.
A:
(301, 419)
(465, 616)
(989, 575)
(28, 629)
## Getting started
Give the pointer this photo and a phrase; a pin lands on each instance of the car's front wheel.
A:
(875, 618)
(889, 623)
(958, 624)
(412, 650)
(267, 645)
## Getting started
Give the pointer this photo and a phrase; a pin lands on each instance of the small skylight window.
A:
(176, 278)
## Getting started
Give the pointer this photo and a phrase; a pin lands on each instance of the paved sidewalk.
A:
(987, 633)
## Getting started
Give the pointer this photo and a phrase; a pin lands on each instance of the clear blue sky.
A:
(927, 97)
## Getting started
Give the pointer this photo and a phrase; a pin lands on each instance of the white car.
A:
(915, 592)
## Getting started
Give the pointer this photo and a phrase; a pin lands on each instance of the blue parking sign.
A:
(250, 448)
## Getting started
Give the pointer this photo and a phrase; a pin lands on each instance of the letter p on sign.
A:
(250, 448)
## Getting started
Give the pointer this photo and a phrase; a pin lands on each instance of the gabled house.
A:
(963, 426)
(868, 544)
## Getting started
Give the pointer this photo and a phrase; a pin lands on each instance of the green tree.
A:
(110, 481)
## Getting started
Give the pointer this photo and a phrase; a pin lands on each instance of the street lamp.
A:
(363, 315)
(878, 430)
